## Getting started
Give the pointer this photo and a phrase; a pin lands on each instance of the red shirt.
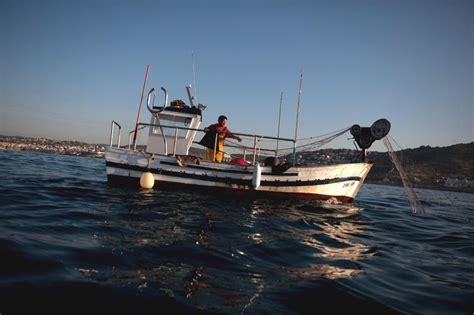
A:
(223, 131)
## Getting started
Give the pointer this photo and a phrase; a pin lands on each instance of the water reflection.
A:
(331, 232)
(223, 257)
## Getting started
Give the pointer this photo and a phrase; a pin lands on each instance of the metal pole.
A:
(297, 116)
(194, 78)
(140, 106)
(175, 140)
(188, 89)
(279, 120)
(254, 150)
(111, 133)
(215, 147)
(118, 144)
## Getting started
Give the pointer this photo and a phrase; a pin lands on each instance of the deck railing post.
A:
(215, 147)
(175, 140)
(111, 133)
(254, 150)
(293, 158)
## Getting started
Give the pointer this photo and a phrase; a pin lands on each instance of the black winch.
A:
(365, 136)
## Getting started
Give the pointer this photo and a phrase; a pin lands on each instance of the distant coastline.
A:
(447, 168)
(44, 145)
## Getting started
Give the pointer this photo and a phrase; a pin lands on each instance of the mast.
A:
(279, 120)
(297, 117)
(140, 106)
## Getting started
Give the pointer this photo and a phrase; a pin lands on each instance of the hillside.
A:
(450, 168)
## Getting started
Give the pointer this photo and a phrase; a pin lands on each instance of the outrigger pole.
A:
(135, 135)
(297, 117)
(279, 120)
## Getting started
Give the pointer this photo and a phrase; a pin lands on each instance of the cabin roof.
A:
(184, 109)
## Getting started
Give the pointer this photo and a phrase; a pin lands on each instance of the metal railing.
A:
(130, 138)
(255, 147)
(112, 133)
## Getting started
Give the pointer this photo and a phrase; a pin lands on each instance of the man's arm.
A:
(231, 135)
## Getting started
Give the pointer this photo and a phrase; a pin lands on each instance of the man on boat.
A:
(222, 132)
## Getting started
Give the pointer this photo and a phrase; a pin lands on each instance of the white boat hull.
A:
(339, 181)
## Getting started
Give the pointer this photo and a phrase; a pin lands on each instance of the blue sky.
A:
(67, 68)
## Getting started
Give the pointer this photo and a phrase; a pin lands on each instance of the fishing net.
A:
(415, 204)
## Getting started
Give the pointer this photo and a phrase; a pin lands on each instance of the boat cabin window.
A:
(172, 121)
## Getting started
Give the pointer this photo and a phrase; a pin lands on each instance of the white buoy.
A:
(256, 176)
(147, 180)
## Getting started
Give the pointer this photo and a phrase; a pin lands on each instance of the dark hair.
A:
(221, 118)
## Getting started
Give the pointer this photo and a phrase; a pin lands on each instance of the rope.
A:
(317, 144)
(310, 146)
(343, 130)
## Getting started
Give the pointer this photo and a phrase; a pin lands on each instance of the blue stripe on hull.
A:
(223, 191)
(236, 181)
(226, 171)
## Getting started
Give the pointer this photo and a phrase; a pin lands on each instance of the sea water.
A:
(69, 242)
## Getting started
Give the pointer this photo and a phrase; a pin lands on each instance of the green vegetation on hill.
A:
(450, 168)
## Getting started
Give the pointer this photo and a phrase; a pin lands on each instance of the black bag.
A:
(209, 140)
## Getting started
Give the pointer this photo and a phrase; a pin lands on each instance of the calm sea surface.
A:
(71, 243)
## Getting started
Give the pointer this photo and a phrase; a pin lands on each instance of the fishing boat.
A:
(170, 159)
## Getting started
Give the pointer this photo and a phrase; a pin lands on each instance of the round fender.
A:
(256, 176)
(147, 181)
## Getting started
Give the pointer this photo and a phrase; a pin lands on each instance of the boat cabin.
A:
(173, 128)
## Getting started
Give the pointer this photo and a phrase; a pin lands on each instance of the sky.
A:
(68, 68)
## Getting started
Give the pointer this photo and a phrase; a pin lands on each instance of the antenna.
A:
(194, 78)
(297, 115)
(279, 120)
